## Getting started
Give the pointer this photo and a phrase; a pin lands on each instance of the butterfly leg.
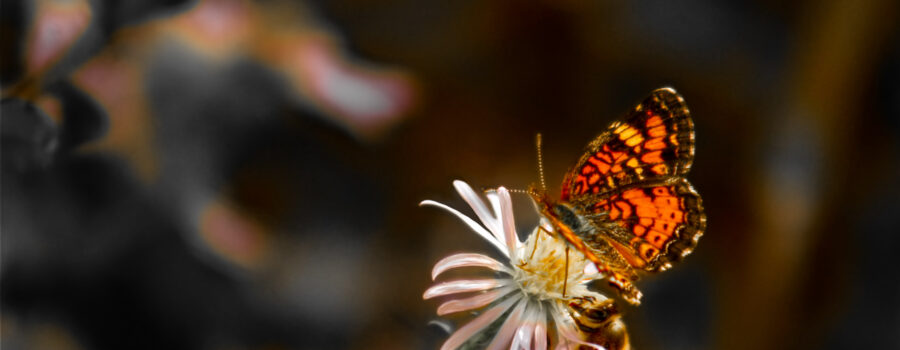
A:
(614, 277)
(621, 283)
(541, 229)
(626, 289)
(566, 278)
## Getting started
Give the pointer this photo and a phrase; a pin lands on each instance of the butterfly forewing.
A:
(655, 141)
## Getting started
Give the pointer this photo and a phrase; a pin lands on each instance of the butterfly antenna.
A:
(529, 192)
(540, 159)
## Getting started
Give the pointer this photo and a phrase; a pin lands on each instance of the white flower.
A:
(533, 291)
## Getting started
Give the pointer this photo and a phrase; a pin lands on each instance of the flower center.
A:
(541, 271)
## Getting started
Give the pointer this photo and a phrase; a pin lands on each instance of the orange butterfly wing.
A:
(656, 141)
(633, 174)
(660, 222)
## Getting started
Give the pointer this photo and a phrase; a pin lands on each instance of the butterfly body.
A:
(574, 218)
(626, 205)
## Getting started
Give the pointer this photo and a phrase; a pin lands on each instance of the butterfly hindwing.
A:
(657, 223)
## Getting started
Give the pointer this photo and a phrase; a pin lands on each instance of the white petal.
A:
(465, 332)
(474, 302)
(494, 199)
(524, 335)
(540, 334)
(590, 269)
(509, 221)
(481, 210)
(546, 224)
(464, 286)
(472, 224)
(522, 339)
(467, 260)
(508, 330)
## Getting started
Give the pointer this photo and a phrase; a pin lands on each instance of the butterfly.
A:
(626, 204)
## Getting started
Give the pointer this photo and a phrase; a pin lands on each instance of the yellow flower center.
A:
(544, 271)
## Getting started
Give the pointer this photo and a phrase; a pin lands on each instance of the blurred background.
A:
(236, 174)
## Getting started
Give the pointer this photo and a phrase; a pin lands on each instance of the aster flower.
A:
(539, 298)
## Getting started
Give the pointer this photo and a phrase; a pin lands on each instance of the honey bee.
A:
(600, 321)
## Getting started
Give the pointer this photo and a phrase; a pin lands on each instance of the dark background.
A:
(226, 174)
